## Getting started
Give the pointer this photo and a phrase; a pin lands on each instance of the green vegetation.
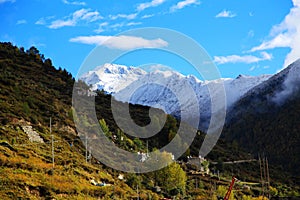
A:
(262, 126)
(32, 91)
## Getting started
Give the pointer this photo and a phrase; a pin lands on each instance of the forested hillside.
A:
(262, 124)
(32, 91)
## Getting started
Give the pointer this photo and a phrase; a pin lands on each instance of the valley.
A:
(32, 91)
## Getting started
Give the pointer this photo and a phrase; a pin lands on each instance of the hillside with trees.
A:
(262, 125)
(36, 163)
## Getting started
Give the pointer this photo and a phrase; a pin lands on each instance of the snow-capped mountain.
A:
(170, 90)
(275, 91)
(267, 119)
(112, 78)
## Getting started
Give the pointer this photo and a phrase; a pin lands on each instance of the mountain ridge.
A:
(266, 119)
(167, 90)
(32, 90)
(258, 100)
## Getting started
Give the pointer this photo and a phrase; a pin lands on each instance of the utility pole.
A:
(147, 150)
(268, 177)
(86, 150)
(52, 144)
(265, 173)
(137, 191)
(137, 185)
(261, 175)
(265, 177)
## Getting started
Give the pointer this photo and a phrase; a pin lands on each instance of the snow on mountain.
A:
(112, 78)
(169, 90)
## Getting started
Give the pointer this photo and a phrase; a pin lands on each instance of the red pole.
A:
(229, 189)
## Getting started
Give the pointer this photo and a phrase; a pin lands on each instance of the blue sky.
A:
(248, 37)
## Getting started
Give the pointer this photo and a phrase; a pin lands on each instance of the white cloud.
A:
(92, 16)
(254, 67)
(296, 2)
(61, 23)
(85, 14)
(280, 40)
(104, 24)
(285, 34)
(147, 16)
(118, 25)
(80, 15)
(11, 1)
(41, 21)
(251, 34)
(124, 16)
(133, 23)
(78, 3)
(22, 21)
(182, 4)
(146, 5)
(101, 27)
(123, 24)
(121, 42)
(226, 14)
(242, 59)
(290, 86)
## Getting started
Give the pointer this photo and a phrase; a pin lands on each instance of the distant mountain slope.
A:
(267, 119)
(168, 89)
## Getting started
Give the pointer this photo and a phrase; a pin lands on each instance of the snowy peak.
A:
(167, 74)
(120, 69)
(111, 77)
(169, 90)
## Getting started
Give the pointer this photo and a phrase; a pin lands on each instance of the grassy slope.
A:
(32, 90)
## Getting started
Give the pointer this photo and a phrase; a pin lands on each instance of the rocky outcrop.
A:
(32, 134)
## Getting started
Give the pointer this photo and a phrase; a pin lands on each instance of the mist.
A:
(290, 86)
